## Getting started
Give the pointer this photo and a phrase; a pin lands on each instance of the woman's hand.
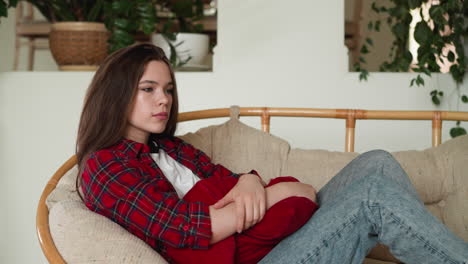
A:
(250, 200)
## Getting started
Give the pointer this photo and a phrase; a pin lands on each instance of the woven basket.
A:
(78, 45)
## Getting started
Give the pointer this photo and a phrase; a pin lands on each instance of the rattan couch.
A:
(437, 173)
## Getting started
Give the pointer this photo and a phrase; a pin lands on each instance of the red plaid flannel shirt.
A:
(124, 184)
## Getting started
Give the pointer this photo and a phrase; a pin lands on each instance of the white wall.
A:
(269, 53)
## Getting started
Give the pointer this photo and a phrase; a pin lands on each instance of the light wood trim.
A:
(350, 128)
(324, 113)
(350, 115)
(349, 147)
(265, 121)
(436, 128)
(42, 217)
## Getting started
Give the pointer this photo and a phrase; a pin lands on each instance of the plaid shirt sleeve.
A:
(143, 205)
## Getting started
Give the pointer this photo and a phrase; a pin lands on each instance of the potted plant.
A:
(180, 33)
(127, 18)
(84, 31)
(441, 34)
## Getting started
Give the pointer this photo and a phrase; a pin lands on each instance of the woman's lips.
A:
(162, 115)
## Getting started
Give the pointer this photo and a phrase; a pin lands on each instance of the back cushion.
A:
(315, 167)
(241, 148)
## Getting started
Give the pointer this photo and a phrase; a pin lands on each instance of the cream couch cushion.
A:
(439, 175)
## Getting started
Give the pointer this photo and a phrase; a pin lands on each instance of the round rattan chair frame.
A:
(350, 115)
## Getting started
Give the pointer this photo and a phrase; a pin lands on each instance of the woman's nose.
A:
(162, 98)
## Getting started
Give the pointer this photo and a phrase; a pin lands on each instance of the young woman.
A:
(160, 188)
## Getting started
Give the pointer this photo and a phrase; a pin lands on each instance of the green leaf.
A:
(451, 56)
(433, 92)
(419, 80)
(412, 82)
(146, 11)
(364, 49)
(414, 4)
(457, 73)
(427, 72)
(464, 98)
(422, 33)
(377, 26)
(122, 23)
(147, 26)
(436, 12)
(389, 20)
(408, 56)
(3, 9)
(435, 100)
(375, 8)
(121, 6)
(122, 36)
(369, 41)
(363, 75)
(441, 93)
(95, 11)
(457, 131)
(400, 31)
(370, 25)
(453, 5)
(12, 3)
(357, 66)
(198, 28)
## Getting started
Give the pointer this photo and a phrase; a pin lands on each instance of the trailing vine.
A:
(443, 26)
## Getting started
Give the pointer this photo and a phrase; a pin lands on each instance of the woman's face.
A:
(152, 105)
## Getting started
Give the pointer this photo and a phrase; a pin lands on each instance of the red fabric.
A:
(281, 220)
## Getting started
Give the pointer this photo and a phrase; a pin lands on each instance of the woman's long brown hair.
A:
(109, 100)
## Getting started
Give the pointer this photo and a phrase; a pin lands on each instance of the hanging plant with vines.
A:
(443, 27)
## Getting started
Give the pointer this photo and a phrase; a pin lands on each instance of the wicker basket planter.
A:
(78, 46)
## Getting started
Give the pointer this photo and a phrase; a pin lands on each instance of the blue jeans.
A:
(371, 200)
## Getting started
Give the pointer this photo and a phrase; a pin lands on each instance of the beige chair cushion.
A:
(437, 174)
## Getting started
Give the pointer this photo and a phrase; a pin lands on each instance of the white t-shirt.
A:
(181, 177)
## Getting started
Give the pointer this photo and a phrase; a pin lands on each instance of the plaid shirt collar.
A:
(132, 148)
(136, 149)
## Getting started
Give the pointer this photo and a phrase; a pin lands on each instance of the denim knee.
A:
(377, 160)
(388, 166)
(377, 154)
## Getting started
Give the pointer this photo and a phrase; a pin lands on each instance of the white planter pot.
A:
(187, 45)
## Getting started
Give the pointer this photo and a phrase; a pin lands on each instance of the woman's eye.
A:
(170, 91)
(149, 89)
